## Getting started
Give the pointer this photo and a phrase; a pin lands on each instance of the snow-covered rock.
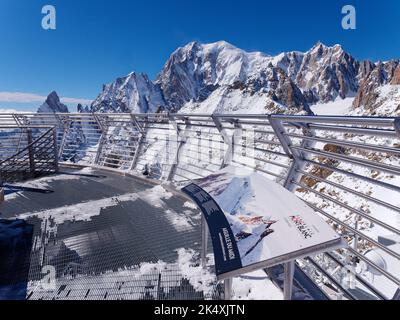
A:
(133, 93)
(386, 102)
(197, 75)
(327, 73)
(53, 105)
(219, 77)
(382, 74)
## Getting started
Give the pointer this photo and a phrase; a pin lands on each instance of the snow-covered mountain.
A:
(53, 105)
(220, 78)
(380, 90)
(133, 93)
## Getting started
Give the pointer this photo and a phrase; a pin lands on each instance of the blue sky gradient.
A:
(97, 41)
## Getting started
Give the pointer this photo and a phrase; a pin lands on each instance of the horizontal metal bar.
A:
(354, 175)
(265, 132)
(26, 127)
(353, 160)
(359, 279)
(374, 265)
(351, 209)
(187, 170)
(354, 231)
(355, 130)
(201, 168)
(185, 154)
(386, 121)
(350, 144)
(331, 278)
(267, 142)
(357, 193)
(268, 161)
(182, 176)
(260, 169)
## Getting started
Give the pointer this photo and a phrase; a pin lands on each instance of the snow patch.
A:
(338, 107)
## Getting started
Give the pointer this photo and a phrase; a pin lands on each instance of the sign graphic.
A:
(226, 252)
(253, 220)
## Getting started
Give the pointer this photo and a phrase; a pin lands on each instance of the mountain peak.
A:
(221, 44)
(53, 98)
(195, 46)
(219, 76)
(131, 93)
(318, 46)
(321, 48)
(53, 104)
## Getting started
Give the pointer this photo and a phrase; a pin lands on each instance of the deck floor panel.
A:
(121, 233)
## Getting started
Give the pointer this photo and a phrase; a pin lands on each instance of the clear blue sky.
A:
(97, 41)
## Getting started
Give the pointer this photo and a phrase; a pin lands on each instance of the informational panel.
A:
(254, 221)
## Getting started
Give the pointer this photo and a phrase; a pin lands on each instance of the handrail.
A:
(283, 147)
(27, 147)
(37, 158)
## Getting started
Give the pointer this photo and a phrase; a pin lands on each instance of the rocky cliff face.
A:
(383, 73)
(396, 77)
(133, 93)
(327, 73)
(219, 77)
(53, 105)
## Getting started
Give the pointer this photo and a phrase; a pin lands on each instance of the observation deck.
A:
(111, 232)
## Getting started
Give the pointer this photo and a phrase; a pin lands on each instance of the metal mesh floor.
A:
(96, 228)
(168, 284)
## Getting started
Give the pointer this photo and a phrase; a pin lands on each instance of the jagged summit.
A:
(219, 77)
(53, 105)
(132, 93)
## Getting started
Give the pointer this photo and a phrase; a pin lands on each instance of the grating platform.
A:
(95, 229)
(166, 284)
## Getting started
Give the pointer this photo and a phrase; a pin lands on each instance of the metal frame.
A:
(37, 158)
(288, 148)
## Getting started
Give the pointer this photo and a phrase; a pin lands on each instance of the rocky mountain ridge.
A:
(221, 78)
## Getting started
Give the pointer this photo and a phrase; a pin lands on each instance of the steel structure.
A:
(346, 168)
(27, 152)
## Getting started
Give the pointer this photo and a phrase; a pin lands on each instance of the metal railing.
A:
(346, 168)
(27, 152)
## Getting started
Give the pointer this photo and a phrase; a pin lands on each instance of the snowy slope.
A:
(337, 107)
(386, 102)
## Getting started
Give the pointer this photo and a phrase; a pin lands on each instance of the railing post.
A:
(55, 149)
(104, 129)
(136, 123)
(396, 125)
(139, 146)
(296, 156)
(65, 124)
(227, 140)
(183, 138)
(31, 153)
(1, 192)
(397, 295)
(288, 280)
(20, 121)
(204, 241)
(292, 175)
(228, 289)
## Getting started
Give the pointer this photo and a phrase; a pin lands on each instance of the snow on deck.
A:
(115, 237)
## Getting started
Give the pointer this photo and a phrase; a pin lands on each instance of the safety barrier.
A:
(346, 168)
(27, 152)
